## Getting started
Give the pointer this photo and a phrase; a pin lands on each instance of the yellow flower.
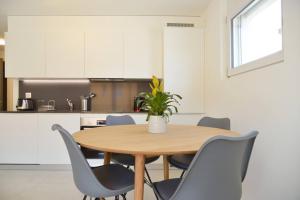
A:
(161, 86)
(155, 82)
(156, 85)
(154, 91)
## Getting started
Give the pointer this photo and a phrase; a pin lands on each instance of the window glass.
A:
(256, 32)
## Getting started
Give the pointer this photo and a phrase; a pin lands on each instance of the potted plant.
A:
(160, 106)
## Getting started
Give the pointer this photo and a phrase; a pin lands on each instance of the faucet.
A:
(70, 104)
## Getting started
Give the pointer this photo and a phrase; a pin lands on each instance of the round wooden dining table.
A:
(137, 141)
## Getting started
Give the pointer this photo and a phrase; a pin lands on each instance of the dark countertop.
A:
(89, 112)
(67, 111)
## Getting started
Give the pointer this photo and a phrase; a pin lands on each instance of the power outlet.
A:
(28, 95)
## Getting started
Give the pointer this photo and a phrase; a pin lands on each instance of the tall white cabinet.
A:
(183, 66)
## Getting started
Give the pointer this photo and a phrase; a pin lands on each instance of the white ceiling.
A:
(99, 7)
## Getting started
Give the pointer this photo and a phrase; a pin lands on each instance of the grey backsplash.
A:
(111, 96)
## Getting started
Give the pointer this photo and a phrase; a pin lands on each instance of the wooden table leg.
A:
(107, 157)
(166, 167)
(139, 177)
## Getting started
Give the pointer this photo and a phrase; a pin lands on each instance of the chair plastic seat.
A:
(181, 161)
(125, 159)
(214, 174)
(115, 177)
(165, 189)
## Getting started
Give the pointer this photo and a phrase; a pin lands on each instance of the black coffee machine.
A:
(25, 104)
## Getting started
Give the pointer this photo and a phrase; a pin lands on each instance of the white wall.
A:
(267, 100)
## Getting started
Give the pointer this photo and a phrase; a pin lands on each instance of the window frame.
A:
(266, 61)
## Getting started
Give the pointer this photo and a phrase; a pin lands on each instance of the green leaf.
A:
(158, 102)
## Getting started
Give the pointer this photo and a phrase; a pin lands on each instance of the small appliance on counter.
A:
(25, 104)
(138, 103)
(94, 157)
(46, 107)
(86, 102)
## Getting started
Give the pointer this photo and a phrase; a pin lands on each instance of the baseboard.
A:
(36, 167)
(154, 166)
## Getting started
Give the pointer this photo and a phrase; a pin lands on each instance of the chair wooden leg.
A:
(166, 167)
(182, 173)
(123, 196)
(107, 157)
(148, 176)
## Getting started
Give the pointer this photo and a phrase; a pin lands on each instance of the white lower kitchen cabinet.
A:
(18, 138)
(51, 147)
(183, 119)
(28, 138)
(139, 118)
(186, 119)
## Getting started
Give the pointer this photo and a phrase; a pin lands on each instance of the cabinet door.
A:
(143, 53)
(25, 55)
(104, 54)
(183, 67)
(18, 143)
(51, 147)
(65, 54)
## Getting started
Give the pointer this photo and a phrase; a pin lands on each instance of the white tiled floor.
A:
(53, 185)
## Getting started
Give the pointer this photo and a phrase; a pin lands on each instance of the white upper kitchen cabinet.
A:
(143, 53)
(51, 147)
(104, 54)
(25, 54)
(18, 143)
(183, 66)
(65, 54)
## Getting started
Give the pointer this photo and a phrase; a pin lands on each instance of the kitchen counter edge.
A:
(88, 112)
(71, 112)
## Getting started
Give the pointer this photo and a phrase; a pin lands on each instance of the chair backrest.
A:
(83, 176)
(223, 123)
(247, 156)
(215, 172)
(119, 120)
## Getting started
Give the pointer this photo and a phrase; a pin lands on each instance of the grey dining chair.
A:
(104, 181)
(214, 174)
(182, 161)
(125, 159)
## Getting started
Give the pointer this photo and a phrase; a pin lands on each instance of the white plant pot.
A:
(157, 124)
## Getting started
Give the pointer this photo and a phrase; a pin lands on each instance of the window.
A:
(256, 36)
